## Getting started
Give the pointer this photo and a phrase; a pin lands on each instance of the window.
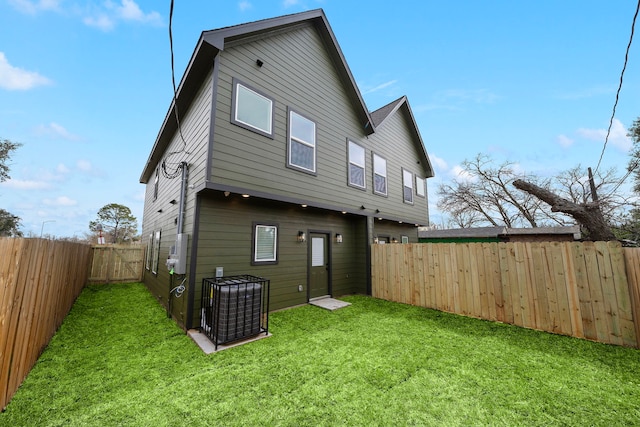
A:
(379, 175)
(404, 239)
(265, 244)
(356, 165)
(302, 143)
(407, 186)
(149, 251)
(155, 254)
(251, 110)
(156, 181)
(420, 186)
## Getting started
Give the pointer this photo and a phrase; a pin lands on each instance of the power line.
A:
(615, 104)
(176, 172)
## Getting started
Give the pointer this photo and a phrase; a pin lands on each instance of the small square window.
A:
(356, 165)
(251, 109)
(379, 175)
(301, 153)
(407, 186)
(405, 239)
(265, 244)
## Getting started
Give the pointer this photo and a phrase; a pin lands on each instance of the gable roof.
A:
(213, 41)
(380, 116)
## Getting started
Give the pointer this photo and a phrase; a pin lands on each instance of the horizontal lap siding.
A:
(195, 125)
(225, 241)
(298, 73)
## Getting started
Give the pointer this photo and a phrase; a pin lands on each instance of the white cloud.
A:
(129, 10)
(244, 5)
(26, 184)
(14, 78)
(102, 22)
(617, 137)
(380, 86)
(438, 163)
(290, 3)
(477, 96)
(564, 141)
(62, 169)
(60, 201)
(55, 130)
(84, 166)
(106, 17)
(460, 173)
(33, 7)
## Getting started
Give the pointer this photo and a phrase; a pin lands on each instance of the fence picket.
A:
(583, 289)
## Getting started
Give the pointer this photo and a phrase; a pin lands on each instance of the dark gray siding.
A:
(225, 241)
(298, 73)
(161, 214)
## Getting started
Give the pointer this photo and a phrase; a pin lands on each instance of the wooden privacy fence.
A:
(39, 281)
(117, 263)
(583, 289)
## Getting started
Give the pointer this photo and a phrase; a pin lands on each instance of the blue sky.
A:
(85, 86)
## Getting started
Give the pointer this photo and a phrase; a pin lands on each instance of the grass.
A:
(117, 360)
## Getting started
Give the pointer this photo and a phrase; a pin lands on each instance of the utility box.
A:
(234, 308)
(178, 254)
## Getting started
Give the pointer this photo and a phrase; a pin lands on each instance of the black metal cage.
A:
(234, 308)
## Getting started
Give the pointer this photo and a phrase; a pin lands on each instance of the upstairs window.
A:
(407, 186)
(420, 186)
(379, 175)
(265, 244)
(356, 165)
(251, 109)
(301, 153)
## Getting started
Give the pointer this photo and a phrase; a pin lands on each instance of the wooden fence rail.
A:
(39, 281)
(583, 289)
(117, 263)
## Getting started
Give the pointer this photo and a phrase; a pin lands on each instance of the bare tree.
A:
(485, 196)
(587, 215)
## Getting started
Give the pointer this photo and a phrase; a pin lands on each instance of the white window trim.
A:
(404, 185)
(386, 180)
(149, 251)
(234, 109)
(254, 258)
(363, 166)
(421, 183)
(291, 139)
(155, 253)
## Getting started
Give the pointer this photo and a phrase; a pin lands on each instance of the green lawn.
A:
(118, 360)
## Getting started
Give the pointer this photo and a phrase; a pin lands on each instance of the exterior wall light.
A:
(302, 237)
(338, 238)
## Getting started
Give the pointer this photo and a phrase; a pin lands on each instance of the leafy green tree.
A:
(117, 223)
(6, 147)
(9, 224)
(634, 162)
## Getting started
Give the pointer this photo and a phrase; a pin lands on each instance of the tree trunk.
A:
(588, 214)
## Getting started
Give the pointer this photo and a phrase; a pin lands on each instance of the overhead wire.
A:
(165, 166)
(615, 104)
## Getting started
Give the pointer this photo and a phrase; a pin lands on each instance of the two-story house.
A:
(269, 163)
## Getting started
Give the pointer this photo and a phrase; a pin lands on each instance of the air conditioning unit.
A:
(234, 308)
(238, 312)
